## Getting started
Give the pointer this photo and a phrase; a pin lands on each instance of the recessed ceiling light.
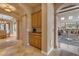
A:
(7, 7)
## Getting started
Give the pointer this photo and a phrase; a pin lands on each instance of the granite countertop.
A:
(63, 39)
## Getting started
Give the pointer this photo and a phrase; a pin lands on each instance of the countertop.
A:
(35, 33)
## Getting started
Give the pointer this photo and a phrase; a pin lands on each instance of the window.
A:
(70, 17)
(78, 16)
(5, 17)
(62, 18)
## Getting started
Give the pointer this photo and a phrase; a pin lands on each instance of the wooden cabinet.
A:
(35, 40)
(36, 19)
(3, 34)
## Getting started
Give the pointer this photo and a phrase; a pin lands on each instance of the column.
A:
(17, 32)
(5, 29)
(9, 29)
(24, 29)
(11, 26)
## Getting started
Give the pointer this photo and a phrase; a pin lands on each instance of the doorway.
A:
(68, 30)
(8, 28)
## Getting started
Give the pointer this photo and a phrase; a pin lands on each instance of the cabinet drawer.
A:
(35, 40)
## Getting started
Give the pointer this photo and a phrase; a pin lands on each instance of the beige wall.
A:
(48, 28)
(44, 28)
(38, 8)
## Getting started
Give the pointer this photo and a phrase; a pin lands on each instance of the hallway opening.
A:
(68, 30)
(8, 27)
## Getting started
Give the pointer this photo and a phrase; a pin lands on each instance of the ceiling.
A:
(32, 5)
(57, 5)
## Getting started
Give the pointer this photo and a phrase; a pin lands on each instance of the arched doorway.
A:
(8, 27)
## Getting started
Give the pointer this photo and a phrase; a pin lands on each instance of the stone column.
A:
(11, 27)
(24, 29)
(17, 32)
(5, 27)
(19, 24)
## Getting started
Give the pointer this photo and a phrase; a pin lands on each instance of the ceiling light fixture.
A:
(8, 10)
(7, 7)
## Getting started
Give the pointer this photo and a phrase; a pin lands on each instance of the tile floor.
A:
(59, 52)
(16, 50)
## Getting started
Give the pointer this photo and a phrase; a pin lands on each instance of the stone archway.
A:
(18, 17)
(9, 25)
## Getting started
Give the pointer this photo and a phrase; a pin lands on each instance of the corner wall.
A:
(48, 28)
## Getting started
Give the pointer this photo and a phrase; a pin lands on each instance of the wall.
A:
(47, 28)
(50, 26)
(44, 28)
(38, 8)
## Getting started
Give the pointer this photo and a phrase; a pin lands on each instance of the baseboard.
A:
(47, 53)
(44, 53)
(50, 51)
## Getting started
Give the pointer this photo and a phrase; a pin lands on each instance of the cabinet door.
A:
(34, 20)
(39, 19)
(35, 40)
(38, 42)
